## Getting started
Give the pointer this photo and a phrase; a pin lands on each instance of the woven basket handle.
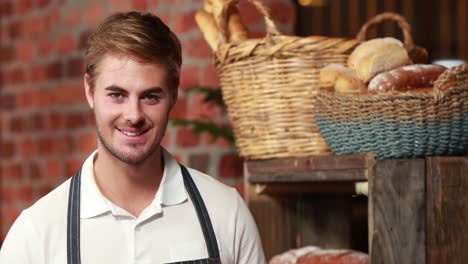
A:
(402, 23)
(271, 29)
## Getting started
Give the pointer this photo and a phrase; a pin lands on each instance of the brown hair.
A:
(144, 36)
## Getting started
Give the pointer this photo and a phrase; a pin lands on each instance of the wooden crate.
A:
(306, 201)
(417, 209)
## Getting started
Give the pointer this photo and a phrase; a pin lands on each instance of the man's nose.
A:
(133, 113)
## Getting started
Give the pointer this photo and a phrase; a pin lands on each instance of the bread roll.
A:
(406, 78)
(347, 84)
(334, 256)
(342, 78)
(291, 256)
(208, 27)
(236, 29)
(385, 58)
(316, 255)
(331, 72)
(369, 46)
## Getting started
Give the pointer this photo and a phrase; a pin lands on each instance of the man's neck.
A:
(131, 187)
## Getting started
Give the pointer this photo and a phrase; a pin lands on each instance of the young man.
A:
(131, 202)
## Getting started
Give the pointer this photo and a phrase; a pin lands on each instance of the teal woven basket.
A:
(404, 125)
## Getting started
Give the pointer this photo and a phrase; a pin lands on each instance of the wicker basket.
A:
(269, 86)
(405, 125)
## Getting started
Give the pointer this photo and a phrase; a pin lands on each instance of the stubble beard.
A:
(126, 157)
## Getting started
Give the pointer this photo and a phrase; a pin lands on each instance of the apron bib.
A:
(73, 221)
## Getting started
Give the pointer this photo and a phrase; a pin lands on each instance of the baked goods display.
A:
(209, 18)
(377, 55)
(237, 31)
(342, 78)
(406, 78)
(317, 255)
(208, 27)
(380, 65)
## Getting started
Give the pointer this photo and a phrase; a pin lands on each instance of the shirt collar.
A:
(170, 192)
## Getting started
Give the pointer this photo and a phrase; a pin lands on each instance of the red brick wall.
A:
(46, 126)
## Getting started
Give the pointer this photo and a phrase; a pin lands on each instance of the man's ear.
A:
(88, 90)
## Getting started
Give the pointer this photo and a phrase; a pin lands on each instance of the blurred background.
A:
(45, 123)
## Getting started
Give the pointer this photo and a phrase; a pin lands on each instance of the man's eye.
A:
(116, 95)
(152, 98)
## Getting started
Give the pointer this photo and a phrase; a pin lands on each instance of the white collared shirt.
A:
(166, 231)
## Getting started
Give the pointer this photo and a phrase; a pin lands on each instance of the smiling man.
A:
(131, 202)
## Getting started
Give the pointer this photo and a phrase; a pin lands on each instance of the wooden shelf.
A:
(345, 168)
(283, 188)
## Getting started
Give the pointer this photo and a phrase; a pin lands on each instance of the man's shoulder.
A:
(210, 186)
(52, 205)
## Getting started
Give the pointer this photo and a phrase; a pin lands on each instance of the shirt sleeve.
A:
(248, 245)
(21, 243)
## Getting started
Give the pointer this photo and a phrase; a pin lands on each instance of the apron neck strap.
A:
(202, 213)
(73, 218)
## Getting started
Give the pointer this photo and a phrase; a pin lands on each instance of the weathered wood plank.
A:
(311, 176)
(397, 212)
(353, 18)
(447, 210)
(390, 26)
(445, 28)
(325, 221)
(408, 9)
(335, 22)
(303, 188)
(371, 11)
(462, 34)
(275, 225)
(290, 221)
(319, 168)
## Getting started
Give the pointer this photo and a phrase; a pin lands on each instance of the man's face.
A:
(131, 103)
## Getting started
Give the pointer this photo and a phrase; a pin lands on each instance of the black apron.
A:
(73, 221)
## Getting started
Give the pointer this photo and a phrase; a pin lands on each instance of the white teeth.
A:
(131, 134)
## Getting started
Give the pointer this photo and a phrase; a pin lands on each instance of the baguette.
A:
(236, 29)
(208, 27)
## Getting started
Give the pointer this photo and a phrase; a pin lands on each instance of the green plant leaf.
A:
(211, 95)
(215, 130)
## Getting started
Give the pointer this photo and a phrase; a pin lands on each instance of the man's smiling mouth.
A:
(133, 133)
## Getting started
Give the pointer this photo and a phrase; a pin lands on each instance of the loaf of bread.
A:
(383, 59)
(341, 78)
(368, 47)
(376, 56)
(236, 29)
(412, 77)
(291, 256)
(208, 27)
(316, 255)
